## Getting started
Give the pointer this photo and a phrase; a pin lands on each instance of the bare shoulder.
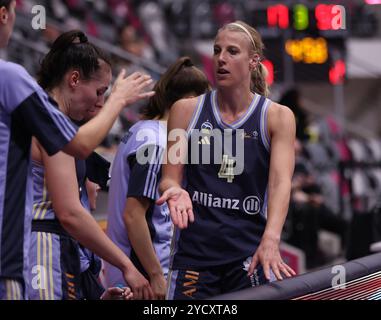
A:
(182, 111)
(36, 150)
(280, 116)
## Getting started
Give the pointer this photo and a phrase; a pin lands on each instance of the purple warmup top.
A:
(25, 111)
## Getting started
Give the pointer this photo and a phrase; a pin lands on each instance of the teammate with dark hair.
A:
(27, 111)
(82, 75)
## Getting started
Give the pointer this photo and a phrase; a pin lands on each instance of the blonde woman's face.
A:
(232, 58)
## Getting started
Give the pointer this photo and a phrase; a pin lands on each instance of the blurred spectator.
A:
(50, 34)
(291, 99)
(153, 20)
(308, 213)
(223, 13)
(131, 42)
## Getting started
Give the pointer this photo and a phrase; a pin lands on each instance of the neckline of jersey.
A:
(241, 120)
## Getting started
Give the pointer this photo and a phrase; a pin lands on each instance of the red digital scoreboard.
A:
(306, 40)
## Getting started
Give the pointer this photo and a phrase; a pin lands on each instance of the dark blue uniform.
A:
(229, 197)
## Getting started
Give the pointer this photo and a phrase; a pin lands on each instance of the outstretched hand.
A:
(180, 206)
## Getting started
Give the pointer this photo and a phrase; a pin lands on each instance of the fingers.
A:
(287, 270)
(146, 94)
(127, 293)
(121, 75)
(276, 272)
(266, 270)
(162, 199)
(138, 293)
(178, 217)
(115, 291)
(174, 216)
(143, 292)
(280, 268)
(167, 194)
(148, 293)
(161, 297)
(253, 265)
(180, 206)
(184, 217)
(136, 75)
(144, 81)
(140, 79)
(190, 215)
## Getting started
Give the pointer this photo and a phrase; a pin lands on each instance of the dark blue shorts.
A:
(202, 283)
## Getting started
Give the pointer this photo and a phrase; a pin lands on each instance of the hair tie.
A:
(245, 30)
(80, 38)
(188, 63)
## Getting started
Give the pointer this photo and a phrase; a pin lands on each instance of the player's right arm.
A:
(178, 200)
(31, 108)
(138, 233)
(63, 189)
(126, 91)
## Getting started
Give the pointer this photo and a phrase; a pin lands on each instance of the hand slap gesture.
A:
(128, 90)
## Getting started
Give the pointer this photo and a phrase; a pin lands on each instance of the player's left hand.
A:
(180, 206)
(268, 256)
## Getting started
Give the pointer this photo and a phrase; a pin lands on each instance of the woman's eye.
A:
(100, 92)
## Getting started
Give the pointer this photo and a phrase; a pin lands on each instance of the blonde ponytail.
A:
(258, 80)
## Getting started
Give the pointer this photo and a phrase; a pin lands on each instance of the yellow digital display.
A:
(308, 50)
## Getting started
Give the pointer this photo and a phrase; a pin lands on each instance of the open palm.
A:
(180, 206)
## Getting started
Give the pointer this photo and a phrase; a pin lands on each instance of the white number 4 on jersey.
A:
(226, 170)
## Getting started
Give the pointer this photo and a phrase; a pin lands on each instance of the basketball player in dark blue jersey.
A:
(26, 111)
(230, 212)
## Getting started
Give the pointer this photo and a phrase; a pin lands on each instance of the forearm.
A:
(91, 134)
(278, 202)
(86, 230)
(139, 236)
(172, 176)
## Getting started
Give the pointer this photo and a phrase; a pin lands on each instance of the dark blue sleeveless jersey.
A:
(229, 194)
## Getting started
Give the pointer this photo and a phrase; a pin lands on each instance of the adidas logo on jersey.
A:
(204, 140)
